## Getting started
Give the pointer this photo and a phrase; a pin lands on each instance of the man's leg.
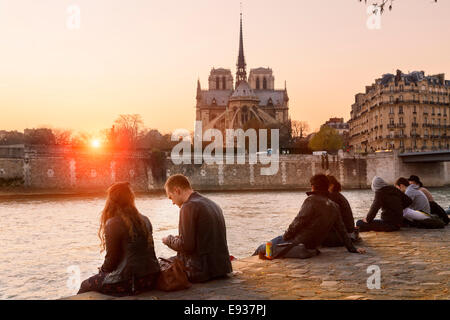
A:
(376, 225)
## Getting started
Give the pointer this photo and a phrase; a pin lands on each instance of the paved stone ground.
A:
(414, 264)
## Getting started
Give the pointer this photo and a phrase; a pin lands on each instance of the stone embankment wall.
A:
(67, 170)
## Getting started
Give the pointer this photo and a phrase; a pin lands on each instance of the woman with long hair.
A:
(335, 195)
(130, 264)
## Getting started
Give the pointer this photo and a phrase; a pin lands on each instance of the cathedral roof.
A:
(244, 91)
(221, 97)
(277, 97)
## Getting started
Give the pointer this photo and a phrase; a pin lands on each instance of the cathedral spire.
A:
(199, 90)
(241, 74)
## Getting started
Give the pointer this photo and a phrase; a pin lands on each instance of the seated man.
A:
(391, 201)
(419, 199)
(416, 215)
(202, 240)
(436, 209)
(318, 216)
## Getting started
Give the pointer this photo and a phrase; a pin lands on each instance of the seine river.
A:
(41, 238)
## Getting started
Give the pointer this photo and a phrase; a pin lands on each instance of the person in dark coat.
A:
(333, 239)
(391, 201)
(130, 266)
(202, 241)
(318, 217)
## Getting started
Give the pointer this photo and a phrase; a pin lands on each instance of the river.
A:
(41, 238)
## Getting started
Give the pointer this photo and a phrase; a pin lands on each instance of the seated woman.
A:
(130, 265)
(333, 239)
(436, 209)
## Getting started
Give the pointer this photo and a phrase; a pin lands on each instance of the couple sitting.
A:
(403, 204)
(325, 218)
(130, 264)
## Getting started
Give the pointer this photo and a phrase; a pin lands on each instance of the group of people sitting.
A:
(407, 204)
(325, 219)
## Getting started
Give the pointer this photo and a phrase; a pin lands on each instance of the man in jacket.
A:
(391, 201)
(202, 241)
(317, 217)
(419, 199)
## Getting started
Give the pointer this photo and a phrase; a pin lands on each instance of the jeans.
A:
(299, 251)
(376, 225)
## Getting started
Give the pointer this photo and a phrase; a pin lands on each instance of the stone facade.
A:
(402, 112)
(74, 171)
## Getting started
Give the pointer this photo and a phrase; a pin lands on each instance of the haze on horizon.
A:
(145, 56)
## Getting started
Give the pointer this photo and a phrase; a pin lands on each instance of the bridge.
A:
(420, 157)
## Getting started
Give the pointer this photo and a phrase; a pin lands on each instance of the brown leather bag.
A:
(172, 276)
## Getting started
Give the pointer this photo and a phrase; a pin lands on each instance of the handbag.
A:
(172, 276)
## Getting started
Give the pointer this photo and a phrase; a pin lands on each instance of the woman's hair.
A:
(120, 203)
(336, 185)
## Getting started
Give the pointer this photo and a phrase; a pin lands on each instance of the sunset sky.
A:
(145, 56)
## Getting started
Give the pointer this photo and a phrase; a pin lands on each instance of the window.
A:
(257, 84)
(391, 110)
(224, 83)
(415, 120)
(414, 109)
(391, 99)
(400, 120)
(217, 83)
(401, 98)
(400, 109)
(264, 83)
(391, 121)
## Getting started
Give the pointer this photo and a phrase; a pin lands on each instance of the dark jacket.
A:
(318, 216)
(202, 240)
(345, 209)
(391, 201)
(128, 258)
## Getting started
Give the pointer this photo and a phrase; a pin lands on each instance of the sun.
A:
(95, 143)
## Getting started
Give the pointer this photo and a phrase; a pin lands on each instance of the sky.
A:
(144, 57)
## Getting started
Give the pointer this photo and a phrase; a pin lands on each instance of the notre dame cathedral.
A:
(226, 105)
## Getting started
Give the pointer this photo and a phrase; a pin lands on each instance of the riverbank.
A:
(414, 264)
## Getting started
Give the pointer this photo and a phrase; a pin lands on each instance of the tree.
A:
(151, 139)
(11, 137)
(381, 4)
(299, 129)
(327, 139)
(62, 136)
(126, 131)
(42, 136)
(81, 139)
